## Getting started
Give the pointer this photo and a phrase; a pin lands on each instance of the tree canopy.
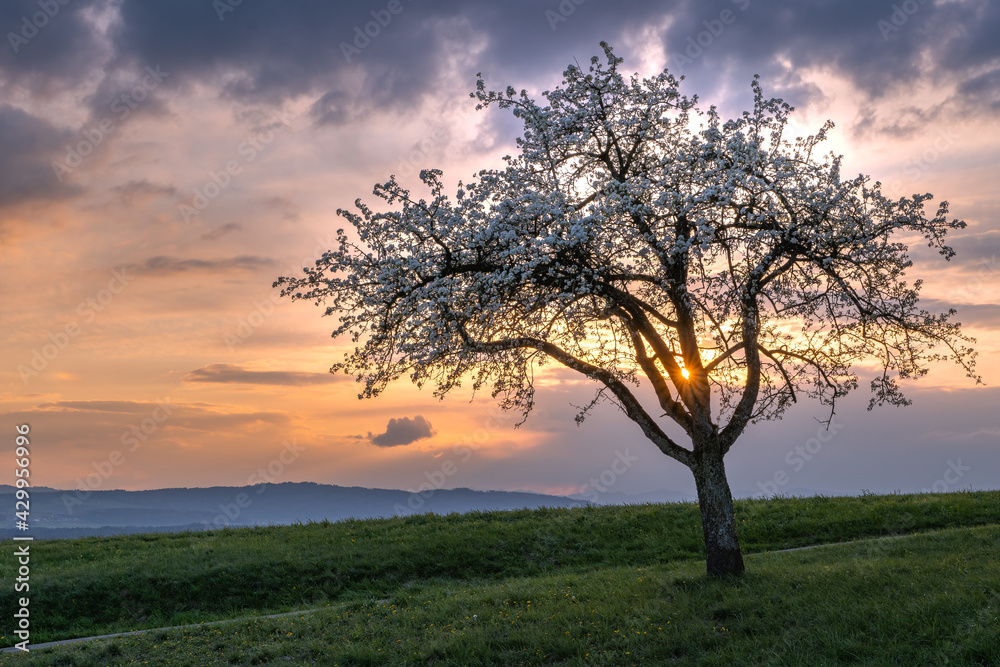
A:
(704, 271)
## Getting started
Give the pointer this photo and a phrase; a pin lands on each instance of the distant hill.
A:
(8, 488)
(60, 514)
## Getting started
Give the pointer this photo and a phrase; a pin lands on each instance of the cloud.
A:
(28, 146)
(949, 48)
(234, 374)
(986, 435)
(58, 55)
(332, 108)
(287, 208)
(982, 90)
(166, 264)
(985, 316)
(87, 423)
(114, 407)
(163, 443)
(403, 431)
(129, 88)
(218, 233)
(142, 189)
(975, 253)
(269, 52)
(977, 248)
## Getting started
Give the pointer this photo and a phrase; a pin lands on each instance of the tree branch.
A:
(629, 403)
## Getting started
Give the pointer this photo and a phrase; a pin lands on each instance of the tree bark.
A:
(718, 521)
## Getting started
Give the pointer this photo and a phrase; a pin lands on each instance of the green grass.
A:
(455, 589)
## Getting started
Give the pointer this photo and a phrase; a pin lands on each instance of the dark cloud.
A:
(130, 89)
(28, 146)
(982, 91)
(841, 35)
(403, 431)
(267, 52)
(165, 264)
(234, 374)
(943, 43)
(50, 53)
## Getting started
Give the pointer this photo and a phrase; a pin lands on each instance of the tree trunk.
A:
(722, 546)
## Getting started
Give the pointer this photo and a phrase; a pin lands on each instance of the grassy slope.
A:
(455, 563)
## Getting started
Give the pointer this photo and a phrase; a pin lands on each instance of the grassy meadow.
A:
(588, 586)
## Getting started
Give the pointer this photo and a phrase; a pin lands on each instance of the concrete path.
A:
(837, 544)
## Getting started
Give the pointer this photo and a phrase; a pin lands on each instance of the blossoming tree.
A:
(702, 273)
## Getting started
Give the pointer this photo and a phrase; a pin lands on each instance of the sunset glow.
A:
(163, 166)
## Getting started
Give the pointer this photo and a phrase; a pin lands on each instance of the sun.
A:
(685, 373)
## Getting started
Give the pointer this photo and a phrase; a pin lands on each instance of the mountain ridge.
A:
(78, 513)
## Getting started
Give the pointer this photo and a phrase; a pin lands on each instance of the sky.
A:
(162, 163)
